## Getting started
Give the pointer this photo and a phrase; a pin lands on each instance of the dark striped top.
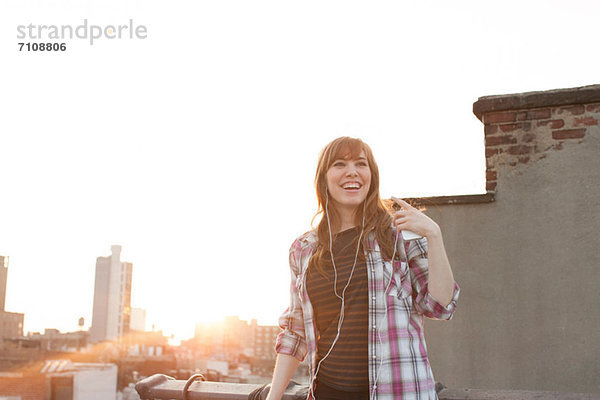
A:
(346, 367)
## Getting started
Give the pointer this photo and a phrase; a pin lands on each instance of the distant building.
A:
(138, 319)
(264, 341)
(3, 280)
(11, 324)
(235, 337)
(146, 343)
(240, 342)
(222, 367)
(112, 298)
(61, 379)
(54, 340)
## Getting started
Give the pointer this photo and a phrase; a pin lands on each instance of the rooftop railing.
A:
(163, 387)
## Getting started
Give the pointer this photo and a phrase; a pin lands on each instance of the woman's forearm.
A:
(441, 280)
(284, 369)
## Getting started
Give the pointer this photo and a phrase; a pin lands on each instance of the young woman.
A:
(359, 291)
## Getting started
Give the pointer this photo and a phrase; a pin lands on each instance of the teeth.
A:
(351, 186)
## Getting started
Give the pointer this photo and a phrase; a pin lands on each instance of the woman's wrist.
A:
(434, 233)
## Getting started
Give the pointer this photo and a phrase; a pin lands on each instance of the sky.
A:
(195, 147)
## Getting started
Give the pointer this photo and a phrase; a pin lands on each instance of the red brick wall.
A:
(523, 136)
(29, 387)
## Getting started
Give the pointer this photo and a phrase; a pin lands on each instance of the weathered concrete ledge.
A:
(548, 98)
(456, 199)
(478, 394)
(162, 387)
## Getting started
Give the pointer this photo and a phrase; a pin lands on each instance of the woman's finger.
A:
(398, 214)
(400, 219)
(403, 226)
(402, 203)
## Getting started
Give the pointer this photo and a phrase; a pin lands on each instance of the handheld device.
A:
(406, 235)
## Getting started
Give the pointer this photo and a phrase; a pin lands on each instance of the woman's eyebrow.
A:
(350, 159)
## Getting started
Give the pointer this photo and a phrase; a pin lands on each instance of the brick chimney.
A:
(522, 128)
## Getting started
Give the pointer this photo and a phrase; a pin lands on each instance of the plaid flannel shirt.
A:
(398, 363)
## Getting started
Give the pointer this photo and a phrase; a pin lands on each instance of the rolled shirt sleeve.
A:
(292, 340)
(424, 303)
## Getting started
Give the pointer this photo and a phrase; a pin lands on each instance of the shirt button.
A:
(373, 297)
(374, 357)
(374, 327)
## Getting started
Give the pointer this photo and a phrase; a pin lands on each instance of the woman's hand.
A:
(441, 280)
(411, 219)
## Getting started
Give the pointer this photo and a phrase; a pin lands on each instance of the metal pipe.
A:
(163, 387)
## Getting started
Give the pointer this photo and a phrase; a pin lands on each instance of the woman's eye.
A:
(338, 164)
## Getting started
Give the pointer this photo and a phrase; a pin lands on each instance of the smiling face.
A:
(348, 182)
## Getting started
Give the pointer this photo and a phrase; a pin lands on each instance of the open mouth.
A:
(351, 186)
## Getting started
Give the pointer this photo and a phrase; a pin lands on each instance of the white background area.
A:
(195, 149)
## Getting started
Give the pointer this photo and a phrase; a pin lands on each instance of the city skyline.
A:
(113, 316)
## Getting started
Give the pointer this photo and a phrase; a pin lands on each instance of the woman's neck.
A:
(347, 220)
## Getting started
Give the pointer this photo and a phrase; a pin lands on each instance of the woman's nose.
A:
(351, 172)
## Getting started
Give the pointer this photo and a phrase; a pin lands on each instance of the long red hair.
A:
(378, 216)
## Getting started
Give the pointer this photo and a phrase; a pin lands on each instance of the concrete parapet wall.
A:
(528, 262)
